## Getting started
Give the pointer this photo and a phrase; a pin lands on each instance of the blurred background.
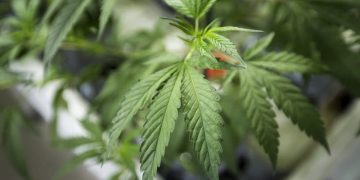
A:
(53, 116)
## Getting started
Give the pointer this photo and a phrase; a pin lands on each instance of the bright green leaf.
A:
(289, 99)
(136, 98)
(160, 122)
(203, 120)
(223, 44)
(231, 28)
(259, 111)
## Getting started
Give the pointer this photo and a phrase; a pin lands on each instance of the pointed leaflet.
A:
(203, 120)
(160, 122)
(290, 100)
(137, 97)
(185, 7)
(259, 46)
(62, 25)
(106, 9)
(288, 62)
(191, 8)
(225, 45)
(258, 110)
(232, 28)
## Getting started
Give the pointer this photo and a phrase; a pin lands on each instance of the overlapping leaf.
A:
(289, 99)
(137, 97)
(258, 110)
(203, 120)
(160, 122)
(191, 8)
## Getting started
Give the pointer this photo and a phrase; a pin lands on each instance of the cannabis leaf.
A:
(232, 28)
(288, 62)
(259, 46)
(261, 82)
(62, 25)
(160, 122)
(223, 44)
(289, 99)
(203, 119)
(137, 97)
(191, 8)
(258, 110)
(106, 9)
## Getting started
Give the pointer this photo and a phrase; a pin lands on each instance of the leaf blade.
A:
(160, 123)
(106, 10)
(258, 111)
(290, 100)
(203, 120)
(62, 25)
(288, 62)
(136, 99)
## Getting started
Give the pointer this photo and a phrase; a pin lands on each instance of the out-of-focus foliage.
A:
(262, 80)
(313, 28)
(12, 123)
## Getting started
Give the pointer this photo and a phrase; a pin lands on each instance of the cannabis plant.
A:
(182, 86)
(154, 107)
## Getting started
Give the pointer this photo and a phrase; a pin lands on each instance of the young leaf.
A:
(183, 25)
(137, 97)
(259, 46)
(258, 110)
(232, 28)
(191, 8)
(225, 45)
(290, 100)
(62, 25)
(106, 9)
(204, 6)
(185, 7)
(203, 120)
(288, 62)
(160, 122)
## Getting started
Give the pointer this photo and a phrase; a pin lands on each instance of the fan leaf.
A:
(160, 122)
(258, 110)
(203, 120)
(137, 97)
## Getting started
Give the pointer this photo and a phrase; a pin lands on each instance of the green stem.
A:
(188, 56)
(196, 26)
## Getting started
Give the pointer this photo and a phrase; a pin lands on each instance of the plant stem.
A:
(189, 54)
(196, 26)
